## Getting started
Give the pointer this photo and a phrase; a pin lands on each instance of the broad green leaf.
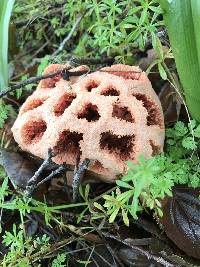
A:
(182, 19)
(5, 13)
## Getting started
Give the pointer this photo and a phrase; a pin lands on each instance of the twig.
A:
(59, 170)
(111, 251)
(79, 173)
(142, 251)
(32, 183)
(68, 37)
(92, 61)
(64, 72)
(97, 253)
(121, 71)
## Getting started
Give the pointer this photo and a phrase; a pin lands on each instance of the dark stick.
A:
(139, 249)
(31, 185)
(92, 61)
(64, 72)
(78, 174)
(59, 170)
(121, 71)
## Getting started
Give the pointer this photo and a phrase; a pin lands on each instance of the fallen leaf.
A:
(18, 169)
(181, 220)
(132, 257)
(31, 227)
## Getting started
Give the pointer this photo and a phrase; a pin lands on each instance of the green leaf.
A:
(185, 43)
(113, 216)
(195, 181)
(4, 111)
(130, 164)
(189, 143)
(59, 261)
(180, 129)
(123, 184)
(5, 13)
(197, 132)
(162, 72)
(191, 125)
(125, 217)
(43, 64)
(98, 206)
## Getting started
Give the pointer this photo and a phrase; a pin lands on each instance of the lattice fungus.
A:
(109, 116)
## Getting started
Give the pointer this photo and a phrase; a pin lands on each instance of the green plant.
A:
(59, 261)
(122, 26)
(143, 187)
(24, 251)
(5, 13)
(4, 112)
(185, 43)
(110, 28)
(147, 184)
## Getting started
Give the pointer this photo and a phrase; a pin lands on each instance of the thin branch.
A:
(31, 185)
(140, 250)
(59, 170)
(68, 37)
(78, 175)
(64, 72)
(91, 61)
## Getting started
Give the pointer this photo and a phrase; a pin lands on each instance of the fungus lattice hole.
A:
(110, 92)
(122, 113)
(68, 142)
(155, 149)
(153, 117)
(63, 103)
(35, 103)
(90, 113)
(33, 131)
(92, 85)
(121, 147)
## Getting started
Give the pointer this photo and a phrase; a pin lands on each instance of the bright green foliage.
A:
(23, 251)
(117, 202)
(182, 19)
(162, 55)
(147, 184)
(4, 112)
(59, 261)
(143, 187)
(108, 27)
(123, 25)
(5, 13)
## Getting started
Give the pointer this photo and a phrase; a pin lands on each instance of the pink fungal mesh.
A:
(109, 116)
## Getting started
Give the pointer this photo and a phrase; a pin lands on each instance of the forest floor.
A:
(46, 227)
